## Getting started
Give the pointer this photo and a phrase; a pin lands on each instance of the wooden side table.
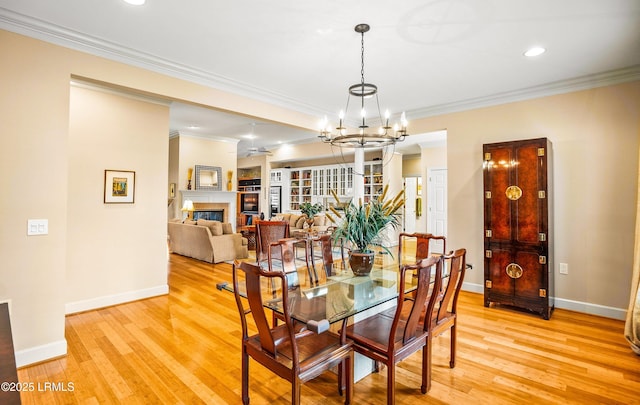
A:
(249, 232)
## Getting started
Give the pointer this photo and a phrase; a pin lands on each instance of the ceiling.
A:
(426, 57)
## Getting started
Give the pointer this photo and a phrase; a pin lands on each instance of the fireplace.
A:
(210, 211)
(211, 215)
(207, 200)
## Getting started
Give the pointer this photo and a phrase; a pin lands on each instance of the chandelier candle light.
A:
(362, 138)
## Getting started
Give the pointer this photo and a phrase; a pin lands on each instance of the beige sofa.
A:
(210, 241)
(297, 221)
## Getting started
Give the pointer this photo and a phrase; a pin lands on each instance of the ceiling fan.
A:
(253, 151)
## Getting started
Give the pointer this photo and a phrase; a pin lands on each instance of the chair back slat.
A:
(283, 252)
(326, 246)
(457, 266)
(424, 297)
(252, 275)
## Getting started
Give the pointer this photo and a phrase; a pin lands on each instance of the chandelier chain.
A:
(362, 58)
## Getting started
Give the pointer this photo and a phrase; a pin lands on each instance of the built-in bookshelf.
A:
(300, 187)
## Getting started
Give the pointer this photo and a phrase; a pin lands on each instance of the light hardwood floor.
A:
(185, 348)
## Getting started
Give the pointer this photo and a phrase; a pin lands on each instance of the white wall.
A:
(116, 252)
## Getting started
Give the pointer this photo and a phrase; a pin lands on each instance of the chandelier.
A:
(364, 136)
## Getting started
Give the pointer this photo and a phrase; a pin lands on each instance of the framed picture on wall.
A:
(119, 186)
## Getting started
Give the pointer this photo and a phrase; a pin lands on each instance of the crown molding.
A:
(176, 133)
(628, 74)
(36, 28)
(80, 83)
(42, 30)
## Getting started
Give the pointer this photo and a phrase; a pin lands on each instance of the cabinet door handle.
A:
(514, 270)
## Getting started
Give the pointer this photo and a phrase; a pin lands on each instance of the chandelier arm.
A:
(380, 116)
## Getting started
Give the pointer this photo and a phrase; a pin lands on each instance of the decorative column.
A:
(358, 175)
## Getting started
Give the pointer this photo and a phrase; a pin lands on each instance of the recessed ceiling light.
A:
(324, 31)
(135, 2)
(193, 127)
(535, 51)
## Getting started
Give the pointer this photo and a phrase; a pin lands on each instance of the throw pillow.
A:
(293, 220)
(301, 221)
(214, 226)
(189, 222)
(226, 228)
(319, 220)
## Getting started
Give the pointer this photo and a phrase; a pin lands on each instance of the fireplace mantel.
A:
(191, 194)
(208, 196)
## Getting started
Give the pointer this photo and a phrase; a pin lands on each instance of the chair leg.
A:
(348, 373)
(426, 366)
(341, 376)
(245, 378)
(452, 360)
(295, 391)
(391, 384)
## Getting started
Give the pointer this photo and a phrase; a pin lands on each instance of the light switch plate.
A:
(564, 268)
(37, 227)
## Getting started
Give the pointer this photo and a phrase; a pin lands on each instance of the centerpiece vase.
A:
(361, 263)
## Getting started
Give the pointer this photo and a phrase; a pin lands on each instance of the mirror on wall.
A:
(208, 177)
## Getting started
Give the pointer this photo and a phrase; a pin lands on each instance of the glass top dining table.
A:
(333, 298)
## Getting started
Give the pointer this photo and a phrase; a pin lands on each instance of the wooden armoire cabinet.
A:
(518, 234)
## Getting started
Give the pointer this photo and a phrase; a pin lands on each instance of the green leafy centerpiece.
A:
(361, 226)
(310, 210)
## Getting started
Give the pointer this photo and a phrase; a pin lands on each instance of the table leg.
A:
(341, 373)
(313, 262)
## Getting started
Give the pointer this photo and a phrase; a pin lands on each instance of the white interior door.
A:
(410, 194)
(437, 205)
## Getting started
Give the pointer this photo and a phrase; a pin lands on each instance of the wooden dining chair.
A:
(390, 340)
(297, 355)
(268, 232)
(445, 316)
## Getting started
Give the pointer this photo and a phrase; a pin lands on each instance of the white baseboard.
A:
(41, 353)
(476, 288)
(592, 309)
(577, 306)
(115, 299)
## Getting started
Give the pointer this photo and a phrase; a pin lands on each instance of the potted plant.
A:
(310, 210)
(360, 226)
